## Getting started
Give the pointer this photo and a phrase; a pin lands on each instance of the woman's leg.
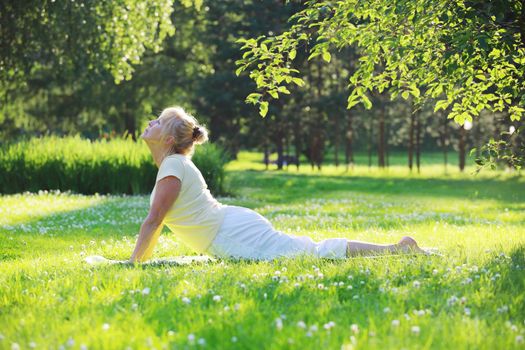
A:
(405, 245)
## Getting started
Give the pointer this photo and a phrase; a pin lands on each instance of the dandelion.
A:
(314, 328)
(70, 342)
(452, 300)
(32, 345)
(463, 300)
(354, 328)
(234, 339)
(329, 325)
(201, 341)
(83, 347)
(395, 323)
(15, 346)
(435, 272)
(105, 326)
(519, 339)
(191, 337)
(186, 300)
(416, 284)
(217, 298)
(134, 306)
(301, 324)
(145, 291)
(386, 310)
(514, 328)
(320, 286)
(467, 311)
(279, 323)
(415, 330)
(503, 309)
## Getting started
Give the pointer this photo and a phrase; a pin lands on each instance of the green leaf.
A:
(366, 101)
(327, 56)
(263, 109)
(298, 81)
(273, 93)
(283, 89)
(442, 104)
(405, 94)
(292, 54)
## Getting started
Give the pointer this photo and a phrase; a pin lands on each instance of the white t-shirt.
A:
(195, 216)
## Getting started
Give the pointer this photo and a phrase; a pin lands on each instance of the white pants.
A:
(246, 234)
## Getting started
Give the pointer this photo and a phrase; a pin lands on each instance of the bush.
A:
(84, 166)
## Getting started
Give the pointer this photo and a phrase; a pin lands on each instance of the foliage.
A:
(502, 152)
(84, 166)
(472, 297)
(471, 56)
(462, 56)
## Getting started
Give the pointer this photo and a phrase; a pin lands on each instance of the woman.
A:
(181, 200)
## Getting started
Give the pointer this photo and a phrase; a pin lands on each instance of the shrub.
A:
(84, 166)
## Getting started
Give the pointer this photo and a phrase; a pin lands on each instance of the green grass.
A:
(472, 298)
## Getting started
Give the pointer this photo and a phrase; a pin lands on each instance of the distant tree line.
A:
(104, 69)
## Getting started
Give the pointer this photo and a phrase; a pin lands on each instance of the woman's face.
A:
(153, 132)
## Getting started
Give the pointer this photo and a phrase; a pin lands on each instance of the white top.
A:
(195, 216)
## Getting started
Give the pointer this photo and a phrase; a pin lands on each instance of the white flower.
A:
(105, 326)
(15, 346)
(145, 291)
(320, 286)
(70, 342)
(186, 300)
(234, 339)
(301, 324)
(216, 298)
(279, 323)
(386, 310)
(191, 337)
(314, 328)
(395, 323)
(83, 347)
(435, 272)
(416, 284)
(354, 328)
(467, 311)
(519, 339)
(415, 329)
(32, 345)
(201, 341)
(514, 328)
(452, 300)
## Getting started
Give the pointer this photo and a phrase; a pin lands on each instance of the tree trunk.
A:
(411, 141)
(381, 139)
(369, 147)
(337, 129)
(280, 148)
(349, 154)
(444, 143)
(130, 124)
(462, 137)
(418, 144)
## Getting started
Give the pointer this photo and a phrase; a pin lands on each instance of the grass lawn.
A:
(472, 298)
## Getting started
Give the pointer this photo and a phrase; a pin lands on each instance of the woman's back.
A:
(195, 216)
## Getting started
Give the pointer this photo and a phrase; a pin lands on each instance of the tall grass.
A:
(84, 166)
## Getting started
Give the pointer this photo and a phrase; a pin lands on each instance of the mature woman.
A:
(182, 201)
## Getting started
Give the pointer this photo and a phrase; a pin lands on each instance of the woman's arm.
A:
(165, 195)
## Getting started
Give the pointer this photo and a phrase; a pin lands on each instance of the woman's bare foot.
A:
(408, 245)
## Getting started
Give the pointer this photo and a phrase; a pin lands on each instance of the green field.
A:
(471, 298)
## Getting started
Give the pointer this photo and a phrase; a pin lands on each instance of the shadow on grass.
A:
(298, 187)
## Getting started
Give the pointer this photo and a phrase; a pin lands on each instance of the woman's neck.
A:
(158, 151)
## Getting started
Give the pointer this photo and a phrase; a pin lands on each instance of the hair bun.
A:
(196, 132)
(200, 135)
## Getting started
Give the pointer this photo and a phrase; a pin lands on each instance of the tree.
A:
(467, 56)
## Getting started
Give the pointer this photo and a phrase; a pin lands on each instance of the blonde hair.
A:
(185, 129)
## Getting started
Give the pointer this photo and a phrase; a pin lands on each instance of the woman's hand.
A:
(166, 193)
